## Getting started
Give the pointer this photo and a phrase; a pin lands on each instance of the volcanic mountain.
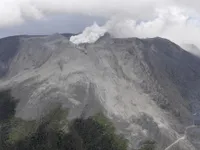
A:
(149, 88)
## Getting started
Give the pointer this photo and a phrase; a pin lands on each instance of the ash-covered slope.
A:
(8, 49)
(146, 86)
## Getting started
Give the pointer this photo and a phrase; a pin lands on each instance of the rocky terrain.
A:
(147, 87)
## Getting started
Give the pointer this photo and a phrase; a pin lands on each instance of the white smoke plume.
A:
(89, 35)
(177, 20)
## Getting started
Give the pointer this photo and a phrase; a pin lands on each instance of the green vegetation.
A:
(57, 119)
(20, 129)
(7, 106)
(95, 135)
(109, 129)
(54, 132)
(148, 145)
(83, 135)
(7, 111)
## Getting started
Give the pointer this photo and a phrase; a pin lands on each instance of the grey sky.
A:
(53, 24)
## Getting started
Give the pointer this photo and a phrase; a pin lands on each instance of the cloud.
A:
(172, 23)
(17, 11)
(177, 20)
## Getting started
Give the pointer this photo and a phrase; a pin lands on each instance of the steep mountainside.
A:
(147, 87)
(8, 49)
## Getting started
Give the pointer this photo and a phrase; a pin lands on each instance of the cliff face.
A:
(147, 87)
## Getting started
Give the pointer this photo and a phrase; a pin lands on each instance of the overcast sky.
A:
(177, 20)
(52, 24)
